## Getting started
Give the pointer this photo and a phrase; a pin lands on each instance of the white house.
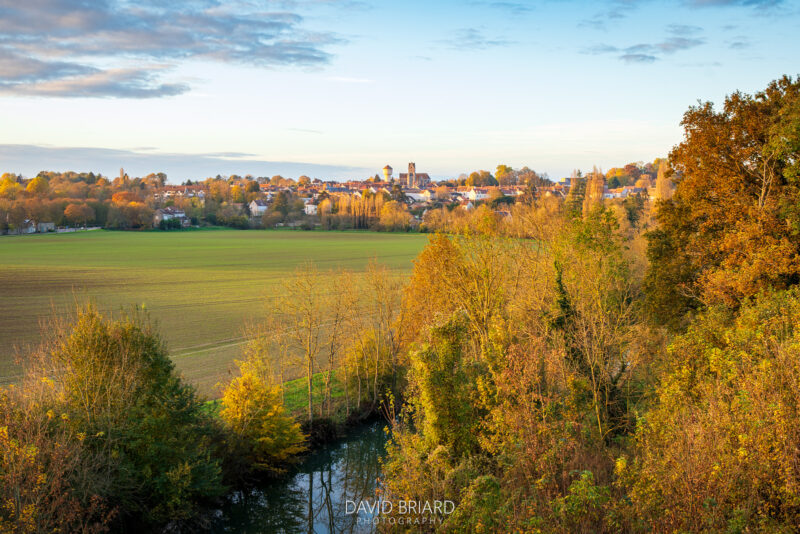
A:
(418, 195)
(257, 207)
(478, 193)
(311, 209)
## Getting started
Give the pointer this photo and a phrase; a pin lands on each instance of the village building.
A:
(478, 193)
(168, 214)
(413, 179)
(257, 207)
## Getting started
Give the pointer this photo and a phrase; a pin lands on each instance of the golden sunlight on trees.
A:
(718, 450)
(395, 216)
(263, 435)
(38, 186)
(548, 392)
(38, 468)
(9, 188)
(530, 351)
(557, 362)
(730, 229)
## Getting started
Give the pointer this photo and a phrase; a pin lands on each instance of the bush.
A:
(262, 435)
(141, 425)
(170, 224)
(718, 450)
(42, 474)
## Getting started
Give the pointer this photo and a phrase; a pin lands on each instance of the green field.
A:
(201, 286)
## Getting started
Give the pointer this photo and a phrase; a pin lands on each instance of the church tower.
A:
(412, 175)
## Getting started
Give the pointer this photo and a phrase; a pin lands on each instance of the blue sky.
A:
(339, 88)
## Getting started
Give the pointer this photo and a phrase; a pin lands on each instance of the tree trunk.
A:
(310, 376)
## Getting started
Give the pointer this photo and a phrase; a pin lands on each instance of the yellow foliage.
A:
(254, 413)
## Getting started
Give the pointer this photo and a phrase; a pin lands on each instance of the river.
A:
(318, 495)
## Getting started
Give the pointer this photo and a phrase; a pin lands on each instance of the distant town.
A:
(70, 201)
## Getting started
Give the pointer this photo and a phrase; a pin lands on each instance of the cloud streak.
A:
(515, 8)
(30, 159)
(473, 39)
(64, 47)
(725, 3)
(650, 52)
(611, 12)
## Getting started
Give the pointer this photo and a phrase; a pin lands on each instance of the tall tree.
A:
(302, 310)
(730, 229)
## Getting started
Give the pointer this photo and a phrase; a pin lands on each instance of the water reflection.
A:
(314, 499)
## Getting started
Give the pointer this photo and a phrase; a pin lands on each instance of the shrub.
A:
(263, 435)
(42, 474)
(718, 450)
(142, 426)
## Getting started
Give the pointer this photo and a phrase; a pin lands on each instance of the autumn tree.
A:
(48, 478)
(38, 186)
(576, 196)
(79, 213)
(664, 186)
(729, 230)
(262, 435)
(301, 308)
(394, 216)
(9, 187)
(481, 179)
(505, 175)
(593, 198)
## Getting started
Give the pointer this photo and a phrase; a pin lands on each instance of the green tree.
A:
(481, 179)
(115, 384)
(440, 377)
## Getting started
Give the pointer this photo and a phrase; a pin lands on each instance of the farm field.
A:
(201, 286)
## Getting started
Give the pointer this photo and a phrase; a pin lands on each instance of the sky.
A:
(337, 89)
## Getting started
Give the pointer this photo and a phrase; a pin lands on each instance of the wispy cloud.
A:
(515, 8)
(62, 47)
(674, 44)
(650, 52)
(722, 3)
(305, 130)
(637, 58)
(612, 11)
(683, 29)
(473, 39)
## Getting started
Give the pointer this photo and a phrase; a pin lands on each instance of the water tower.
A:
(387, 173)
